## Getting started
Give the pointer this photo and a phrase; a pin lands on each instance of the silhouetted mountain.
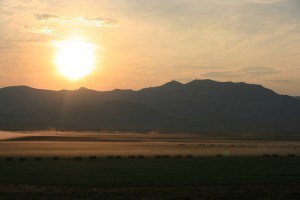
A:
(297, 98)
(200, 105)
(115, 115)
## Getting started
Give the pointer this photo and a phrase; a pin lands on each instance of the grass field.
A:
(153, 171)
(240, 171)
(152, 178)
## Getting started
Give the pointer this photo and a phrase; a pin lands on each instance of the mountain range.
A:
(197, 106)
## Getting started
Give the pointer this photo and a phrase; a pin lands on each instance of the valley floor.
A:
(68, 144)
(168, 167)
(152, 178)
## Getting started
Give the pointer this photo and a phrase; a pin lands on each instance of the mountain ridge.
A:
(170, 83)
(198, 106)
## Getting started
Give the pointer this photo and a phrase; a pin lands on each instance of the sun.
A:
(74, 59)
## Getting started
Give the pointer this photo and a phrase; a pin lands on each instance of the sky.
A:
(142, 43)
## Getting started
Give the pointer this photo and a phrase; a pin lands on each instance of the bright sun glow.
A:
(74, 58)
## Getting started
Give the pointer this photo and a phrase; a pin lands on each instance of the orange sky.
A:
(143, 43)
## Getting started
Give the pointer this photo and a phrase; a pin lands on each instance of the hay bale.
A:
(93, 157)
(9, 159)
(131, 156)
(22, 159)
(219, 155)
(78, 158)
(38, 158)
(140, 156)
(118, 157)
(55, 158)
(178, 156)
(291, 155)
(266, 155)
(189, 156)
(109, 157)
(166, 156)
(158, 156)
(275, 155)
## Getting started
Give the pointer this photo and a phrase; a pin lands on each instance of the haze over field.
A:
(103, 144)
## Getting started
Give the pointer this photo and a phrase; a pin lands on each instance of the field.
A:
(204, 167)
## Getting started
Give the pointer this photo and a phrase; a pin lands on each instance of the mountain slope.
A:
(200, 105)
(115, 115)
(211, 105)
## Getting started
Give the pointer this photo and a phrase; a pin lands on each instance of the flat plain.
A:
(147, 166)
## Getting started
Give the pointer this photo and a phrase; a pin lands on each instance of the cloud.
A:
(265, 1)
(280, 81)
(244, 72)
(86, 21)
(258, 71)
(221, 75)
(22, 4)
(40, 30)
(195, 67)
(97, 22)
(49, 24)
(45, 16)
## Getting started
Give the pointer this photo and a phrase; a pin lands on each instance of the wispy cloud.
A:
(281, 81)
(45, 16)
(7, 4)
(40, 30)
(265, 1)
(195, 67)
(47, 24)
(86, 21)
(97, 22)
(245, 72)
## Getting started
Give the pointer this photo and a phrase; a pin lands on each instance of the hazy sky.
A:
(149, 42)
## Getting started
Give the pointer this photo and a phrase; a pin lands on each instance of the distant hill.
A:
(198, 106)
(297, 98)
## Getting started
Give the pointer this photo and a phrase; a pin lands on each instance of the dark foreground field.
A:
(152, 178)
(211, 167)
